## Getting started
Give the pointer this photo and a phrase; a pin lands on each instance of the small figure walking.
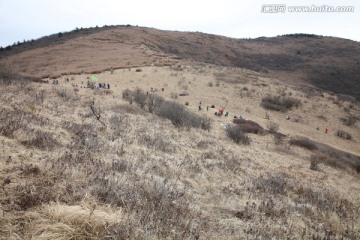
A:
(326, 130)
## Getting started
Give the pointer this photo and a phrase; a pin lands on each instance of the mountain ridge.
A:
(327, 63)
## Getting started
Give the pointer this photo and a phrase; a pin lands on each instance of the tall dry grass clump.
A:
(237, 134)
(181, 117)
(279, 103)
(60, 221)
(343, 134)
(175, 112)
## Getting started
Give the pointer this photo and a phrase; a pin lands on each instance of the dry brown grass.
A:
(102, 49)
(65, 175)
(59, 221)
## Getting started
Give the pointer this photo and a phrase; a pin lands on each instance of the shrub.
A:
(322, 117)
(40, 96)
(357, 168)
(11, 121)
(248, 126)
(154, 102)
(6, 75)
(210, 84)
(314, 162)
(181, 117)
(237, 135)
(30, 169)
(279, 103)
(336, 158)
(128, 95)
(64, 93)
(278, 138)
(303, 143)
(9, 76)
(173, 111)
(116, 125)
(349, 120)
(343, 134)
(140, 97)
(273, 127)
(42, 140)
(272, 184)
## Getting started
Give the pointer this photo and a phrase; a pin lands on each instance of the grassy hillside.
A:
(82, 163)
(328, 63)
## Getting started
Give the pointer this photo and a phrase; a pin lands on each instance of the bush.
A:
(64, 93)
(11, 121)
(128, 95)
(8, 76)
(272, 184)
(248, 126)
(279, 103)
(273, 127)
(314, 162)
(172, 111)
(304, 143)
(116, 125)
(349, 120)
(154, 102)
(278, 138)
(181, 117)
(140, 97)
(42, 140)
(237, 135)
(343, 134)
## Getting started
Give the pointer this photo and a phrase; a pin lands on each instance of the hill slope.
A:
(147, 158)
(325, 62)
(80, 163)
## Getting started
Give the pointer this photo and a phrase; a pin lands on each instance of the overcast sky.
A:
(31, 19)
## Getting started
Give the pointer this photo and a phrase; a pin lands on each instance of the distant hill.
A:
(328, 63)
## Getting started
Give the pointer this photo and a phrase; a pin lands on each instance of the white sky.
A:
(31, 19)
